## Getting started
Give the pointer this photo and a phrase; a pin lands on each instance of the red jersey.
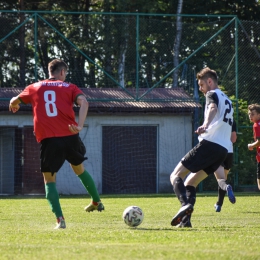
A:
(256, 130)
(52, 104)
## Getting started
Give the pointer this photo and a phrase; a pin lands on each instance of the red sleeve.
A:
(24, 96)
(256, 130)
(76, 92)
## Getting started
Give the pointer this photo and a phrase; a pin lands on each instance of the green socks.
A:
(90, 186)
(53, 198)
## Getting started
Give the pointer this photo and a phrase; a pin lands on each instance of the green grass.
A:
(26, 229)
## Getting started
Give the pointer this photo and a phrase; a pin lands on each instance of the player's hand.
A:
(201, 130)
(14, 109)
(250, 147)
(75, 129)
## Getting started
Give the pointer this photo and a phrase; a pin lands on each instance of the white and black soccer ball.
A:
(133, 216)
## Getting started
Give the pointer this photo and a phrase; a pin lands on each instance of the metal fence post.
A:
(35, 46)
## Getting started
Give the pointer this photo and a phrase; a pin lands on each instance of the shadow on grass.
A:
(163, 229)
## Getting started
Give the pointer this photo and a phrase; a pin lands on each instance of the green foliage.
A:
(246, 10)
(243, 171)
(107, 43)
(97, 46)
(245, 161)
(27, 229)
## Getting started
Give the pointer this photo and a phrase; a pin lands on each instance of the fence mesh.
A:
(110, 50)
(138, 51)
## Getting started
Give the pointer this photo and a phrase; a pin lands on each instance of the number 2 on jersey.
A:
(227, 112)
(50, 106)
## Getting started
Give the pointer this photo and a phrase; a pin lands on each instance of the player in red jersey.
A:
(254, 116)
(57, 131)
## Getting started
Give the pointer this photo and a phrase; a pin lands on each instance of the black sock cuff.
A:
(191, 190)
(191, 194)
(177, 180)
(180, 190)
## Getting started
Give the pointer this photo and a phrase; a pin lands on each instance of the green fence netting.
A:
(141, 51)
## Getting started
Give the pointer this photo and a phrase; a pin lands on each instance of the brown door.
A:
(32, 177)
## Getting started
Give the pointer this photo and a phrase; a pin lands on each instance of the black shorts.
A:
(228, 162)
(206, 156)
(55, 150)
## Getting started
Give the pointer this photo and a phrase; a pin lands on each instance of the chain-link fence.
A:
(130, 50)
(141, 51)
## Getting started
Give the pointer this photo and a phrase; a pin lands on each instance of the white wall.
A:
(174, 141)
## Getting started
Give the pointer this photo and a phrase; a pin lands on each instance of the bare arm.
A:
(211, 114)
(14, 104)
(212, 111)
(83, 111)
(254, 145)
(233, 137)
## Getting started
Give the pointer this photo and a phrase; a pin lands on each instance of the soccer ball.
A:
(133, 216)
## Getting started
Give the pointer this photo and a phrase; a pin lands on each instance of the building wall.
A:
(174, 141)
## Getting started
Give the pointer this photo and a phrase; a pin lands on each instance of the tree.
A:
(177, 43)
(109, 41)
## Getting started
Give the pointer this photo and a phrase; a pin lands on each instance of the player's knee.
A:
(172, 178)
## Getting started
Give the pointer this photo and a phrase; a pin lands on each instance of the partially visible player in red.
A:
(57, 131)
(254, 116)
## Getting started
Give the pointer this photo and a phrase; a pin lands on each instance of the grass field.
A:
(27, 229)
